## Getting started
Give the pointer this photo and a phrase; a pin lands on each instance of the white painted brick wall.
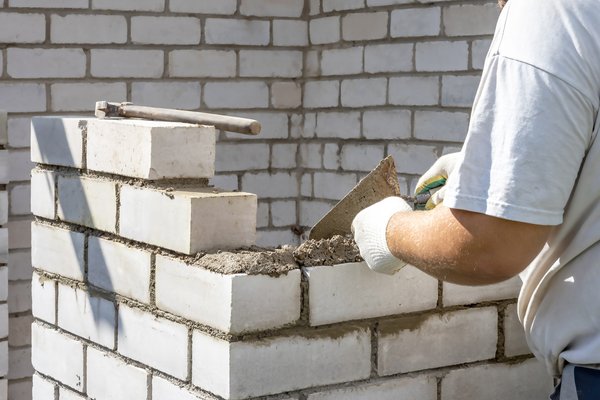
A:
(109, 378)
(165, 30)
(427, 342)
(92, 29)
(352, 291)
(156, 342)
(246, 369)
(57, 250)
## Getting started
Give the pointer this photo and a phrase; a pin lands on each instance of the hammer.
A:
(105, 109)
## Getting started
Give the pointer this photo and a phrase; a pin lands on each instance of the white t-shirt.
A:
(532, 155)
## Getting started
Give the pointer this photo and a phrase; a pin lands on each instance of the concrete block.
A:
(275, 185)
(272, 8)
(46, 63)
(414, 90)
(89, 202)
(479, 50)
(340, 5)
(342, 61)
(390, 125)
(165, 30)
(247, 94)
(42, 193)
(20, 199)
(57, 250)
(202, 63)
(93, 29)
(20, 363)
(441, 125)
(458, 295)
(442, 56)
(338, 124)
(364, 92)
(411, 158)
(23, 97)
(57, 141)
(203, 6)
(246, 369)
(286, 94)
(89, 317)
(43, 298)
(109, 378)
(19, 297)
(140, 331)
(324, 30)
(411, 22)
(19, 265)
(43, 389)
(122, 63)
(421, 388)
(471, 19)
(514, 334)
(227, 302)
(397, 57)
(352, 291)
(150, 149)
(20, 330)
(129, 5)
(188, 221)
(524, 381)
(237, 31)
(290, 32)
(118, 268)
(365, 26)
(271, 63)
(321, 94)
(22, 28)
(83, 96)
(58, 356)
(459, 91)
(437, 340)
(360, 157)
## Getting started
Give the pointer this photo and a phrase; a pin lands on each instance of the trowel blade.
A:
(380, 183)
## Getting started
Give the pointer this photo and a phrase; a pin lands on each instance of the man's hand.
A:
(369, 228)
(434, 179)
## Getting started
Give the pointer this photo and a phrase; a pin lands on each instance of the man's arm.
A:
(464, 247)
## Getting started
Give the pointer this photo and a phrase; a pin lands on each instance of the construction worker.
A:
(523, 195)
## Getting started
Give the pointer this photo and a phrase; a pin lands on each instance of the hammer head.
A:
(106, 109)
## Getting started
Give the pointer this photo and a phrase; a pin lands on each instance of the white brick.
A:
(319, 94)
(88, 201)
(470, 19)
(20, 330)
(19, 165)
(286, 94)
(3, 123)
(227, 302)
(4, 324)
(324, 30)
(19, 265)
(188, 221)
(236, 95)
(20, 363)
(331, 156)
(22, 97)
(43, 298)
(20, 235)
(4, 358)
(283, 155)
(365, 26)
(341, 125)
(65, 394)
(364, 92)
(393, 124)
(43, 389)
(272, 8)
(333, 186)
(342, 61)
(118, 268)
(48, 346)
(181, 95)
(311, 155)
(90, 317)
(3, 207)
(454, 295)
(162, 389)
(283, 213)
(312, 63)
(44, 4)
(22, 28)
(57, 141)
(412, 159)
(441, 125)
(4, 389)
(333, 297)
(275, 125)
(459, 91)
(165, 30)
(203, 6)
(514, 334)
(290, 33)
(19, 297)
(421, 388)
(150, 149)
(42, 190)
(93, 29)
(276, 238)
(270, 63)
(525, 381)
(389, 57)
(83, 96)
(202, 63)
(129, 5)
(109, 378)
(441, 56)
(108, 63)
(19, 131)
(5, 169)
(236, 157)
(479, 50)
(427, 342)
(3, 284)
(416, 22)
(57, 250)
(388, 2)
(46, 63)
(227, 182)
(339, 5)
(242, 32)
(246, 369)
(278, 184)
(20, 389)
(306, 189)
(414, 90)
(262, 215)
(361, 157)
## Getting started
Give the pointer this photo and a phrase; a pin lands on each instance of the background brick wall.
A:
(337, 84)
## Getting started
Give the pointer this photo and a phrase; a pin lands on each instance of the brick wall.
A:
(4, 328)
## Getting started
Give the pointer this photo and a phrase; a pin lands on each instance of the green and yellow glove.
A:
(434, 180)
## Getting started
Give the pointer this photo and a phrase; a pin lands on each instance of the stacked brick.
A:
(4, 307)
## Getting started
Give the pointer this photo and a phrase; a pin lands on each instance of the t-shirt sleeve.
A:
(528, 135)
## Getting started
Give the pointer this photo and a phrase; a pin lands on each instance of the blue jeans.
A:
(578, 383)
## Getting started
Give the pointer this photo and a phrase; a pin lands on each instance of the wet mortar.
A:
(333, 251)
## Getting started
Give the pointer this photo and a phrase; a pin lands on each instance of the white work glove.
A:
(369, 228)
(434, 180)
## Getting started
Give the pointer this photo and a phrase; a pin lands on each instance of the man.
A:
(523, 196)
